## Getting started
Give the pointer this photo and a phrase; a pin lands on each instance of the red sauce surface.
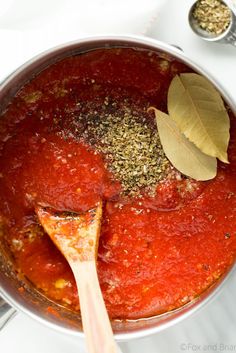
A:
(155, 254)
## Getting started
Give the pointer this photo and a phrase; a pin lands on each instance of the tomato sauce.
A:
(155, 253)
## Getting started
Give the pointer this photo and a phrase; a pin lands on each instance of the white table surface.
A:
(29, 27)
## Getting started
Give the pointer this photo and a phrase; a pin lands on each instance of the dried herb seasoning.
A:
(131, 147)
(214, 16)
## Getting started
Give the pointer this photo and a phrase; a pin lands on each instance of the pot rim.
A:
(154, 45)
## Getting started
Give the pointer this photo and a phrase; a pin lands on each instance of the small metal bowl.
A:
(227, 37)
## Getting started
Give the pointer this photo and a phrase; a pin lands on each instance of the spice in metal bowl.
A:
(214, 16)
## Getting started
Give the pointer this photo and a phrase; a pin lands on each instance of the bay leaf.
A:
(182, 153)
(199, 111)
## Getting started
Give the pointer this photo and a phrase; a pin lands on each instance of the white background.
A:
(27, 27)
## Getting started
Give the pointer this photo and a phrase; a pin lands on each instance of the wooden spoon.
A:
(76, 236)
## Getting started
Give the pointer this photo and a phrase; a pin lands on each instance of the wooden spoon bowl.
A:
(77, 237)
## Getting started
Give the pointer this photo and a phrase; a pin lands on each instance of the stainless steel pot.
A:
(30, 301)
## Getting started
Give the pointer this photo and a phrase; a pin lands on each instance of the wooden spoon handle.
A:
(96, 323)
